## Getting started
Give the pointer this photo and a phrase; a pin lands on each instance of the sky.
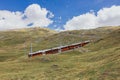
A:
(59, 14)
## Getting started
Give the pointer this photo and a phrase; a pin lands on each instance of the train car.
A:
(49, 51)
(40, 53)
(55, 51)
(71, 47)
(84, 43)
(65, 48)
(34, 54)
(76, 46)
(58, 49)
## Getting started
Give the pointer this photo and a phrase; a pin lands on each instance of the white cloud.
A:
(105, 17)
(109, 16)
(81, 22)
(33, 16)
(9, 19)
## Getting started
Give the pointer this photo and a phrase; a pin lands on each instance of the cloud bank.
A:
(33, 16)
(104, 17)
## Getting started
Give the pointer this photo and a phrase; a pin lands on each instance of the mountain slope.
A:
(98, 60)
(16, 43)
(69, 37)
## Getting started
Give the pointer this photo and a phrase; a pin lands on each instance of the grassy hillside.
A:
(69, 37)
(15, 37)
(16, 43)
(110, 40)
(99, 60)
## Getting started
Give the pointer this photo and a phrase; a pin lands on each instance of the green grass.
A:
(101, 65)
(99, 60)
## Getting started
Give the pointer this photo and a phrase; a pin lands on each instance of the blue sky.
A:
(63, 10)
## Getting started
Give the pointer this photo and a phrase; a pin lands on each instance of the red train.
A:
(58, 49)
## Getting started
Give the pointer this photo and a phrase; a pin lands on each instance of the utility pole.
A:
(30, 34)
(31, 48)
